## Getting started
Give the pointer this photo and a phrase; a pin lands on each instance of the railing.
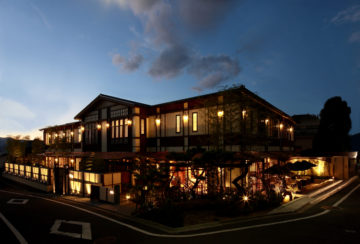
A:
(29, 172)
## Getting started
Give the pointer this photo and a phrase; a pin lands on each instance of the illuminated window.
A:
(117, 129)
(121, 128)
(113, 129)
(142, 127)
(194, 121)
(178, 123)
(126, 130)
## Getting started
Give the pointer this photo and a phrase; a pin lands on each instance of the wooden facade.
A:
(213, 121)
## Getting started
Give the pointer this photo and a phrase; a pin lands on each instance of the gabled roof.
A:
(67, 125)
(103, 97)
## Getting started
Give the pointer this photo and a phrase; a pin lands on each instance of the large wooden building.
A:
(231, 120)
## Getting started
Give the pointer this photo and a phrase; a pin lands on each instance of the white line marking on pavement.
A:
(346, 196)
(85, 229)
(20, 238)
(197, 234)
(18, 201)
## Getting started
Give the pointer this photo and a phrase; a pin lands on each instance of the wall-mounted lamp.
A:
(157, 122)
(220, 113)
(186, 118)
(291, 129)
(98, 126)
(267, 121)
(281, 126)
(72, 133)
(129, 122)
(243, 113)
(107, 125)
(82, 128)
(56, 135)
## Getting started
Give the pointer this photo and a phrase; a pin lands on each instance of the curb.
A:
(312, 198)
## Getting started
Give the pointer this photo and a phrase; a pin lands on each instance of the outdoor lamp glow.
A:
(243, 113)
(245, 198)
(157, 122)
(281, 126)
(267, 121)
(82, 128)
(129, 122)
(107, 125)
(220, 113)
(186, 118)
(71, 176)
(127, 196)
(111, 192)
(98, 126)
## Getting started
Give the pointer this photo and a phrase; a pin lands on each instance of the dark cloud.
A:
(128, 64)
(213, 70)
(171, 62)
(160, 25)
(203, 14)
(351, 14)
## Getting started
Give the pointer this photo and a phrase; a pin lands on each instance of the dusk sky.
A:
(57, 56)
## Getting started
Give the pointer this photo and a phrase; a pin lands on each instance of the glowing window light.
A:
(220, 113)
(88, 188)
(157, 122)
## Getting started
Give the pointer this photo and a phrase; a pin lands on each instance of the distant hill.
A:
(355, 142)
(2, 145)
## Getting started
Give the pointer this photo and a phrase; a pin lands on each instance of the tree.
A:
(16, 148)
(335, 124)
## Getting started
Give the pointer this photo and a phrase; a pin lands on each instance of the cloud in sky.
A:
(14, 110)
(162, 23)
(214, 70)
(41, 15)
(11, 113)
(127, 64)
(170, 62)
(355, 37)
(351, 14)
(203, 14)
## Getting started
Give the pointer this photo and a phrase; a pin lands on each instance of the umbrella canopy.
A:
(300, 165)
(277, 170)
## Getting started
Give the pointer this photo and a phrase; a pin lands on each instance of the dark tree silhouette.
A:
(335, 124)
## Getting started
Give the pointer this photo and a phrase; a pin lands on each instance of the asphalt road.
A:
(39, 219)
